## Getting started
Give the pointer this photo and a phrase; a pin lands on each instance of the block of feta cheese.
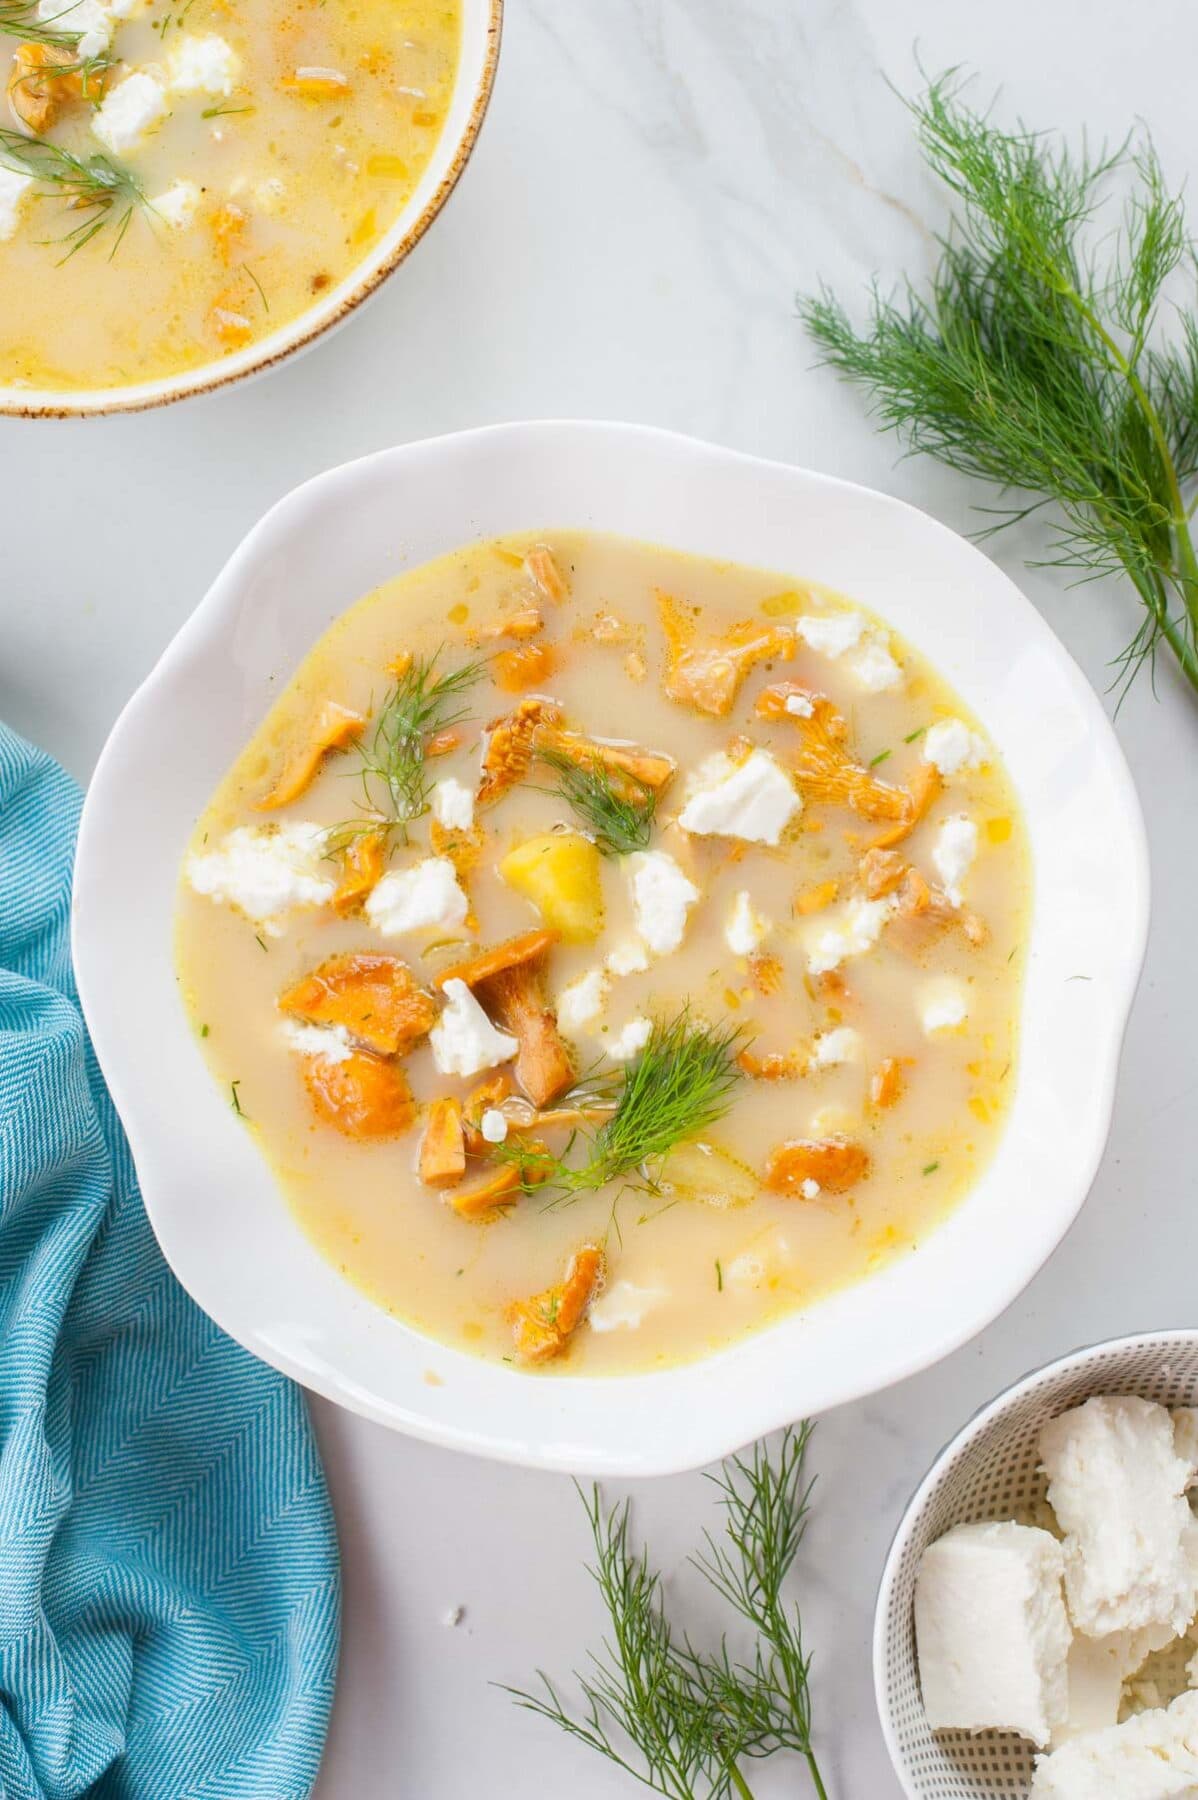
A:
(1097, 1670)
(950, 746)
(178, 205)
(1117, 1487)
(747, 929)
(848, 637)
(1153, 1756)
(94, 20)
(943, 1005)
(14, 193)
(330, 1042)
(266, 871)
(130, 111)
(581, 1002)
(623, 1305)
(954, 852)
(1185, 1439)
(662, 896)
(832, 1048)
(628, 958)
(203, 65)
(630, 1040)
(991, 1631)
(754, 799)
(425, 897)
(453, 804)
(848, 930)
(464, 1041)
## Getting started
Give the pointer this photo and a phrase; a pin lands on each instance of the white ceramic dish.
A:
(991, 1471)
(211, 1198)
(481, 28)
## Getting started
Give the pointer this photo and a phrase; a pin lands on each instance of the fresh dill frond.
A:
(103, 192)
(21, 19)
(618, 814)
(423, 701)
(679, 1719)
(1036, 360)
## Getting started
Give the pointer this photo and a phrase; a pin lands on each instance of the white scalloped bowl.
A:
(212, 1200)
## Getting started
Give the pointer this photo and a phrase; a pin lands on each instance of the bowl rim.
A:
(974, 1426)
(308, 327)
(757, 1412)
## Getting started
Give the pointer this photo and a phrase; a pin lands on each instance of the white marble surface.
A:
(656, 179)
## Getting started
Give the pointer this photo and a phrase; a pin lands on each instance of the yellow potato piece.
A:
(560, 873)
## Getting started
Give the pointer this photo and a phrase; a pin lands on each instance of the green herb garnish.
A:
(395, 784)
(103, 192)
(1036, 359)
(617, 811)
(682, 1720)
(931, 1168)
(879, 758)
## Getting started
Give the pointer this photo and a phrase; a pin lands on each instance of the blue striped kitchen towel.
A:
(168, 1563)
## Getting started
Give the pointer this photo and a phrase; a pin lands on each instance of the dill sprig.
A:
(20, 19)
(103, 192)
(618, 814)
(679, 1719)
(394, 774)
(1035, 359)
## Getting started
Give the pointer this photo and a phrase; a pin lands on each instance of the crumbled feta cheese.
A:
(581, 1001)
(1153, 1756)
(1117, 1487)
(754, 800)
(831, 633)
(14, 191)
(874, 667)
(953, 853)
(810, 1189)
(746, 928)
(92, 19)
(799, 706)
(203, 65)
(631, 1040)
(950, 746)
(453, 805)
(1185, 1440)
(943, 1005)
(331, 1042)
(493, 1126)
(661, 898)
(463, 1040)
(425, 897)
(991, 1631)
(831, 1048)
(623, 1305)
(130, 111)
(177, 207)
(1097, 1667)
(265, 871)
(628, 958)
(849, 930)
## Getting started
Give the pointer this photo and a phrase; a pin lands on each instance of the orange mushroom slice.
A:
(535, 725)
(334, 727)
(922, 912)
(542, 566)
(707, 672)
(443, 1146)
(43, 81)
(372, 996)
(362, 863)
(827, 770)
(833, 1163)
(543, 1325)
(926, 786)
(515, 671)
(886, 1084)
(523, 621)
(506, 979)
(776, 1065)
(313, 83)
(362, 1096)
(641, 768)
(881, 872)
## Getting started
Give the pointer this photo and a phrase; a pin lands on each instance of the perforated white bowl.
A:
(991, 1471)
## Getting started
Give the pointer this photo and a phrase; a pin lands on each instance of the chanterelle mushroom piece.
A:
(706, 672)
(372, 996)
(43, 80)
(827, 770)
(506, 979)
(334, 727)
(536, 725)
(543, 1324)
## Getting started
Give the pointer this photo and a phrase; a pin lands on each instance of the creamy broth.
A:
(292, 135)
(901, 1049)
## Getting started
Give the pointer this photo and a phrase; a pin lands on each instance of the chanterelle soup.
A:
(179, 177)
(611, 950)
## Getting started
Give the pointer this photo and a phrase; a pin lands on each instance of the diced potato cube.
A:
(560, 873)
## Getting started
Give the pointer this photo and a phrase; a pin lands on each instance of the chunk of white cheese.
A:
(453, 804)
(14, 193)
(425, 897)
(661, 898)
(203, 65)
(991, 1631)
(754, 799)
(464, 1041)
(92, 19)
(954, 852)
(1153, 1756)
(1097, 1667)
(746, 929)
(630, 1040)
(330, 1042)
(799, 706)
(1185, 1439)
(130, 111)
(810, 1189)
(831, 1048)
(950, 746)
(178, 205)
(266, 871)
(848, 930)
(848, 635)
(1117, 1487)
(581, 1002)
(873, 666)
(493, 1126)
(943, 1006)
(832, 634)
(623, 1305)
(628, 958)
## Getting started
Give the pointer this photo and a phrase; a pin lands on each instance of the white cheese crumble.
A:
(425, 897)
(203, 65)
(178, 206)
(943, 1006)
(1153, 1756)
(330, 1042)
(865, 651)
(628, 958)
(631, 1040)
(874, 667)
(799, 706)
(754, 800)
(953, 853)
(14, 192)
(661, 898)
(746, 929)
(623, 1305)
(92, 19)
(950, 746)
(581, 1002)
(1185, 1440)
(810, 1189)
(265, 871)
(832, 1048)
(849, 930)
(453, 805)
(464, 1041)
(831, 633)
(130, 111)
(992, 1632)
(493, 1126)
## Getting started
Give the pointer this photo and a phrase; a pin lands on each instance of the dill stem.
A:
(817, 1780)
(740, 1784)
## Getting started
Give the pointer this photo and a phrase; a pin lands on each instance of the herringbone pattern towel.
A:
(168, 1567)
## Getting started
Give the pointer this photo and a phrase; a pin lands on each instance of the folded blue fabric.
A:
(168, 1564)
